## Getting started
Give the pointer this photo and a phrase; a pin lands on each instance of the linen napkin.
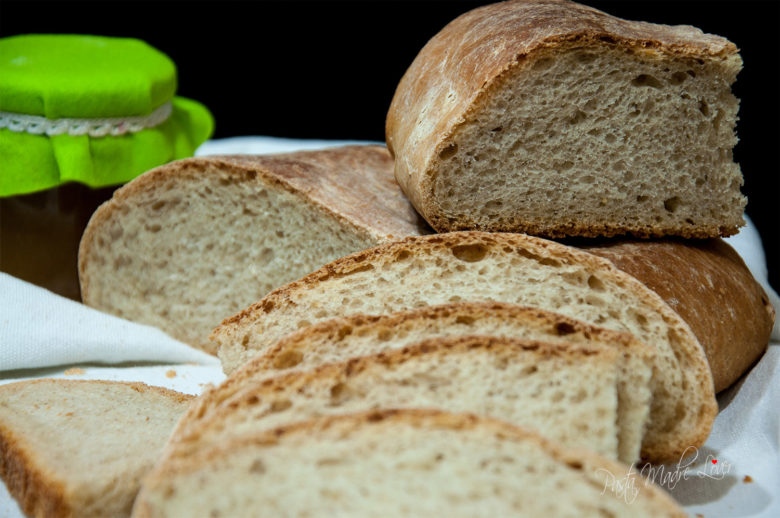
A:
(41, 329)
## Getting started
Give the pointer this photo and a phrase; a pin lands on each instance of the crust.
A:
(466, 61)
(39, 492)
(693, 362)
(344, 425)
(301, 339)
(708, 284)
(700, 231)
(477, 310)
(352, 184)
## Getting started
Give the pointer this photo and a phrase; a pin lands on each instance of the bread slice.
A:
(189, 243)
(556, 119)
(397, 464)
(340, 339)
(567, 393)
(79, 448)
(515, 268)
(708, 284)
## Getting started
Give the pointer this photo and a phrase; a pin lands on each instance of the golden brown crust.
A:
(579, 229)
(711, 288)
(344, 425)
(299, 341)
(668, 445)
(467, 60)
(557, 323)
(40, 493)
(353, 184)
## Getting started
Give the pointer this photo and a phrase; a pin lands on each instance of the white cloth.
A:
(267, 145)
(65, 339)
(41, 329)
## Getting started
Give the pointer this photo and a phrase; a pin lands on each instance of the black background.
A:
(329, 69)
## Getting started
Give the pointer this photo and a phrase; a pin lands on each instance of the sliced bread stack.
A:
(78, 449)
(187, 244)
(515, 268)
(397, 464)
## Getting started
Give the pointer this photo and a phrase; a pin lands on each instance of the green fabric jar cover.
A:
(121, 89)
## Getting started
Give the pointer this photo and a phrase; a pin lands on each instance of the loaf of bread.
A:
(78, 449)
(339, 339)
(556, 119)
(189, 243)
(516, 268)
(403, 463)
(709, 286)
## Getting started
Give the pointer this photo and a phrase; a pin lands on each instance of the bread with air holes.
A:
(187, 244)
(341, 339)
(397, 463)
(556, 119)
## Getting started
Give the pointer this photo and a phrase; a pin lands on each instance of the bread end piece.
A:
(188, 243)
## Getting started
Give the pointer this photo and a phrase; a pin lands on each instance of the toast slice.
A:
(566, 392)
(340, 339)
(515, 268)
(403, 463)
(556, 119)
(79, 448)
(187, 244)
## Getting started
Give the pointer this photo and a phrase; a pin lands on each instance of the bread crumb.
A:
(748, 479)
(698, 515)
(74, 371)
(170, 374)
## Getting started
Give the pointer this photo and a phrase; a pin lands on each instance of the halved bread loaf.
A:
(567, 393)
(340, 339)
(189, 243)
(79, 448)
(393, 464)
(708, 284)
(515, 268)
(556, 119)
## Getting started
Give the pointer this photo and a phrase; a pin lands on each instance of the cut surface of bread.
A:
(189, 243)
(556, 119)
(79, 449)
(708, 284)
(396, 464)
(340, 339)
(565, 392)
(514, 268)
